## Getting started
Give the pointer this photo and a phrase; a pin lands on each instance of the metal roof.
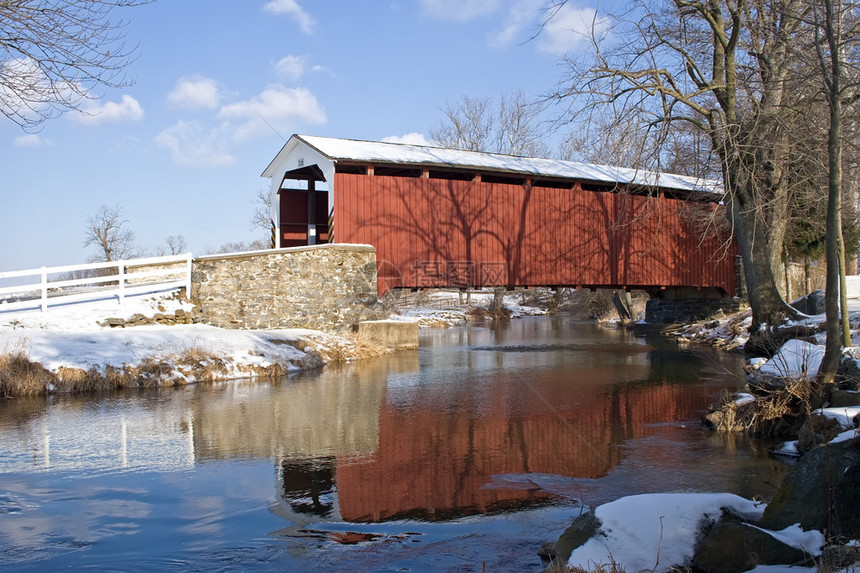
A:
(359, 151)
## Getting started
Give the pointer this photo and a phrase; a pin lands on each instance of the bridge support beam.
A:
(677, 305)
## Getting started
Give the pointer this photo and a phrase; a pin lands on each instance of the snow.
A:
(374, 151)
(810, 542)
(782, 569)
(71, 336)
(845, 415)
(787, 449)
(654, 532)
(795, 359)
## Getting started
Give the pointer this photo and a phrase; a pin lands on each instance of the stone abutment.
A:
(327, 287)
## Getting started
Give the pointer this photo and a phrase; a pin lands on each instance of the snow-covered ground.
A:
(71, 336)
(437, 308)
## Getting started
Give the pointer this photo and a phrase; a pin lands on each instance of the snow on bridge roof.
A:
(401, 153)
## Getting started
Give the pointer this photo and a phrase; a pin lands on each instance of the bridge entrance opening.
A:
(304, 209)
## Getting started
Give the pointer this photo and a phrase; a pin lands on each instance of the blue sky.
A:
(218, 86)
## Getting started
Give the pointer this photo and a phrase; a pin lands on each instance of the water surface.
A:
(472, 451)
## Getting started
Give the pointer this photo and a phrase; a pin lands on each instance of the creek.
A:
(468, 453)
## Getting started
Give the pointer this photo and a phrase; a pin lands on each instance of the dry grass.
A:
(611, 567)
(20, 376)
(774, 411)
(341, 348)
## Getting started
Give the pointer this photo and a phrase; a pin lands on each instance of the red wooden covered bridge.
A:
(443, 217)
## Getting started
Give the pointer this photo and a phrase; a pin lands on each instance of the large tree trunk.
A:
(766, 303)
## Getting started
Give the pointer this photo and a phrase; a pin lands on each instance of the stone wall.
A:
(324, 287)
(680, 310)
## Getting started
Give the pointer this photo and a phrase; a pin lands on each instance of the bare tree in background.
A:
(107, 232)
(53, 53)
(173, 245)
(476, 124)
(262, 217)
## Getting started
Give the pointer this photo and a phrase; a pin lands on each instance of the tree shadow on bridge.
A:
(451, 232)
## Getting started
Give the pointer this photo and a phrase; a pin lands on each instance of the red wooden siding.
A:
(439, 232)
(294, 217)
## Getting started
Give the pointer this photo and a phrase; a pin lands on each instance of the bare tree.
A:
(828, 26)
(53, 53)
(262, 217)
(724, 68)
(238, 247)
(106, 231)
(173, 245)
(474, 124)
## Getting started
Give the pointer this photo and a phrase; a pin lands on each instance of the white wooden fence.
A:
(73, 283)
(852, 286)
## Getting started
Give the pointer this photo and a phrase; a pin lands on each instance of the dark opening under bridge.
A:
(440, 217)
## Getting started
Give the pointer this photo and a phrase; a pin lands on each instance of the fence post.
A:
(121, 271)
(44, 289)
(188, 276)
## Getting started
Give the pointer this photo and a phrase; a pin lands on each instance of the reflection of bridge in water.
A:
(350, 443)
(444, 461)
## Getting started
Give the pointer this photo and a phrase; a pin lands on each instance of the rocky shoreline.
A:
(813, 520)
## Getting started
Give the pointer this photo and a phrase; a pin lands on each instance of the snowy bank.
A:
(71, 343)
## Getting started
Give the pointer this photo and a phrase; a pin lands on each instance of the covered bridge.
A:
(443, 217)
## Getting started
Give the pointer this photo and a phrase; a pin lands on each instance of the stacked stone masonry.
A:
(325, 287)
(678, 311)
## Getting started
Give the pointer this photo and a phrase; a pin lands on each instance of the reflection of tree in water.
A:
(669, 392)
(308, 485)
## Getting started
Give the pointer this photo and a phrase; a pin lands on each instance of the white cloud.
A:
(459, 10)
(274, 106)
(291, 67)
(32, 140)
(413, 138)
(192, 145)
(569, 28)
(521, 15)
(294, 11)
(195, 93)
(26, 93)
(95, 113)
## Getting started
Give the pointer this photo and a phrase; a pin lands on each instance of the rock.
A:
(763, 383)
(767, 342)
(822, 492)
(839, 558)
(547, 551)
(844, 398)
(733, 546)
(577, 533)
(816, 430)
(813, 303)
(848, 372)
(113, 322)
